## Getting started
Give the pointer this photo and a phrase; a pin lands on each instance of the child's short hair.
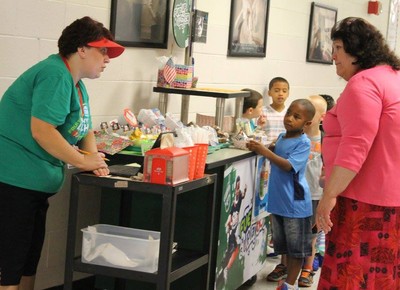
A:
(308, 106)
(276, 80)
(329, 101)
(252, 100)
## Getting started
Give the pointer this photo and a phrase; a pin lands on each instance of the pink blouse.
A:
(363, 135)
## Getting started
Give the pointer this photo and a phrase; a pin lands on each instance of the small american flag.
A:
(169, 71)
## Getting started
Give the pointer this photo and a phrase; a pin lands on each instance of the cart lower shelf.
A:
(183, 262)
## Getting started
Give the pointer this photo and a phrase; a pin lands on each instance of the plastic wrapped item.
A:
(199, 135)
(212, 135)
(239, 140)
(147, 117)
(172, 123)
(262, 138)
(183, 138)
(160, 117)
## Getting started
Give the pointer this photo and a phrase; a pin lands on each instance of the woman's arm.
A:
(53, 142)
(88, 143)
(358, 115)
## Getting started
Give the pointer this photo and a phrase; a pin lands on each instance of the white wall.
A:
(29, 30)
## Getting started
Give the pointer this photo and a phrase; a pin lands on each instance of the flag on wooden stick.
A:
(169, 71)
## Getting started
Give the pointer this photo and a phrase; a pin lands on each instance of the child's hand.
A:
(255, 146)
(261, 121)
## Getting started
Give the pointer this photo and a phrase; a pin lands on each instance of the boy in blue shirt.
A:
(289, 200)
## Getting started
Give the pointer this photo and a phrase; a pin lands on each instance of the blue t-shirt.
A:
(284, 198)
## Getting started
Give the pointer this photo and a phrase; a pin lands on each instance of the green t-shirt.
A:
(47, 92)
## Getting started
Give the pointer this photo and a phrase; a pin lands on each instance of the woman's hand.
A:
(335, 185)
(95, 162)
(102, 171)
(325, 206)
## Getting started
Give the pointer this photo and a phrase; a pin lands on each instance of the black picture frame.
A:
(248, 28)
(319, 45)
(137, 24)
(391, 35)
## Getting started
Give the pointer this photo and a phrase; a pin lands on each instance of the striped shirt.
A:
(274, 122)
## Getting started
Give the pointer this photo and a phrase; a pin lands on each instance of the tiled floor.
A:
(263, 284)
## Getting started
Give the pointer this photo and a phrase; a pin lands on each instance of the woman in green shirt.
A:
(42, 114)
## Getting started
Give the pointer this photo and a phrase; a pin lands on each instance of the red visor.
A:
(113, 49)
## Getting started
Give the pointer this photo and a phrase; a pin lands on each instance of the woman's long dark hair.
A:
(366, 43)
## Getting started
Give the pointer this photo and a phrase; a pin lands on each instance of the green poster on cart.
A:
(242, 239)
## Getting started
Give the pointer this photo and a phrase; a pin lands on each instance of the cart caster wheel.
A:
(251, 281)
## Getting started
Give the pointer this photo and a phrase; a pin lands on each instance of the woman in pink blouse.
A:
(360, 207)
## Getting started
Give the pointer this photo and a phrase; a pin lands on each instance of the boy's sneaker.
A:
(270, 252)
(278, 274)
(306, 278)
(285, 286)
(251, 281)
(315, 265)
(282, 287)
(321, 260)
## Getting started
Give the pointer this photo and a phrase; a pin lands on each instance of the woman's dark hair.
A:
(366, 43)
(252, 100)
(79, 33)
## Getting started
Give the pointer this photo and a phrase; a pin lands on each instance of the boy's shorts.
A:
(22, 231)
(292, 236)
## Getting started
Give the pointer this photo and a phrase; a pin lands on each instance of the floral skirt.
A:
(362, 250)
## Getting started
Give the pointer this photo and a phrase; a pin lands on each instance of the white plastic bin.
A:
(121, 247)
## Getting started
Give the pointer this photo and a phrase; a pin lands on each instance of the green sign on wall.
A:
(181, 22)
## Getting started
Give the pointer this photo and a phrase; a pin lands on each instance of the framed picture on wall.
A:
(319, 46)
(248, 28)
(391, 36)
(140, 23)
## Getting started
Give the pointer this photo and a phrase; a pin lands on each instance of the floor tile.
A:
(263, 284)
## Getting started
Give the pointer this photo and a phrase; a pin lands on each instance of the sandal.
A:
(306, 278)
(278, 274)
